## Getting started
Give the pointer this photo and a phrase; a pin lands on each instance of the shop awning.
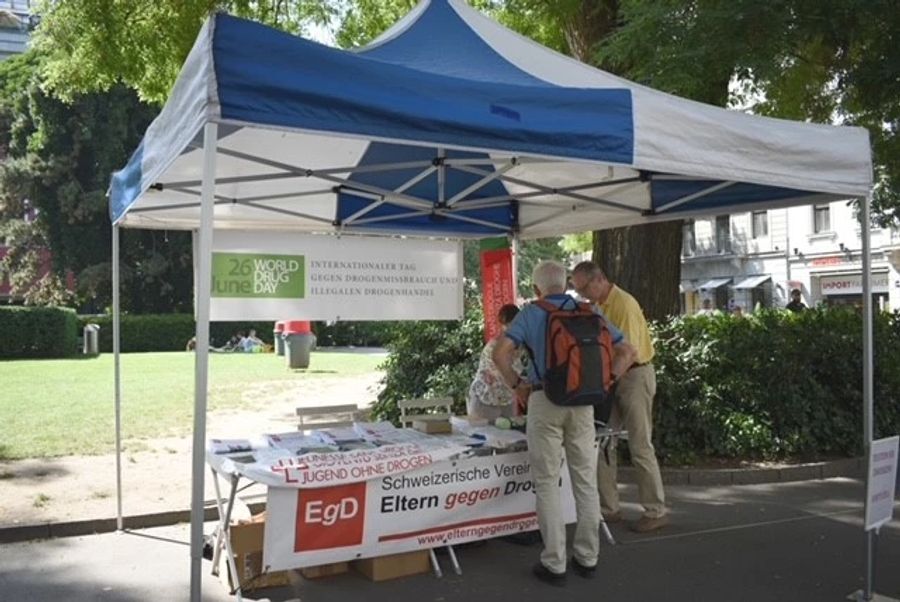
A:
(687, 286)
(715, 283)
(752, 281)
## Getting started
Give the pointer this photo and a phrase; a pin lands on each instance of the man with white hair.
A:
(552, 428)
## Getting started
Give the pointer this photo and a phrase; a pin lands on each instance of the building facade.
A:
(755, 259)
(16, 22)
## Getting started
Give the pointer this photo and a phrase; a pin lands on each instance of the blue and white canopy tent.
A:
(448, 125)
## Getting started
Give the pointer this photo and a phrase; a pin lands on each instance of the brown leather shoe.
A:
(612, 517)
(647, 524)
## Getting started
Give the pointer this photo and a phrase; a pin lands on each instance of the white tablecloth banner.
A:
(446, 503)
(275, 468)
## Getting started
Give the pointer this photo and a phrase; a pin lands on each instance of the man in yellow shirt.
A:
(633, 402)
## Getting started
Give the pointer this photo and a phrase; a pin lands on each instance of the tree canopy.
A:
(831, 61)
(826, 61)
(93, 45)
(53, 205)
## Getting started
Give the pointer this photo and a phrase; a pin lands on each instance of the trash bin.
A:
(91, 339)
(279, 341)
(299, 341)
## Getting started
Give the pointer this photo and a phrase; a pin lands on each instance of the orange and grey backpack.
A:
(579, 350)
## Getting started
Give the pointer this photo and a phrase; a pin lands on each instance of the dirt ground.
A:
(158, 477)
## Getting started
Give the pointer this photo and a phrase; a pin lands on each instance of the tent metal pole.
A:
(787, 249)
(201, 357)
(868, 371)
(514, 245)
(117, 372)
(441, 177)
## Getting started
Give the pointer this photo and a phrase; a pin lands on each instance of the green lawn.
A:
(62, 407)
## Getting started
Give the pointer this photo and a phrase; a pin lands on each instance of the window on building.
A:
(689, 238)
(760, 224)
(723, 234)
(821, 218)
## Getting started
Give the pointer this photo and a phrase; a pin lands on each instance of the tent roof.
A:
(451, 125)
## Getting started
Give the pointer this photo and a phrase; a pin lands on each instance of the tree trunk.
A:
(646, 262)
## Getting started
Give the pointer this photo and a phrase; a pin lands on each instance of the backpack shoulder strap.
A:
(545, 305)
(586, 307)
(550, 308)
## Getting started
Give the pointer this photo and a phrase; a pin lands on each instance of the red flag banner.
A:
(496, 286)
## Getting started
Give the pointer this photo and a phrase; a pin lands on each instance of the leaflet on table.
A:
(278, 467)
(298, 443)
(458, 439)
(337, 435)
(227, 446)
(499, 438)
(385, 433)
(373, 430)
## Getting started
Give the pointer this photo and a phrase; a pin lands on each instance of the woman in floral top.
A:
(490, 397)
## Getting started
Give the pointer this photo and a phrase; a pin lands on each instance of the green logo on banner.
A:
(258, 275)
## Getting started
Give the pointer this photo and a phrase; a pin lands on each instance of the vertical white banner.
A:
(882, 482)
(282, 276)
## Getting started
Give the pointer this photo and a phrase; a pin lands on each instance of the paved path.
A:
(787, 541)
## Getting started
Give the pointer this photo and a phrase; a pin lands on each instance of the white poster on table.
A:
(275, 468)
(882, 482)
(285, 276)
(446, 503)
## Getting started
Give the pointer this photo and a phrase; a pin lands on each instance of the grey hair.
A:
(589, 269)
(549, 277)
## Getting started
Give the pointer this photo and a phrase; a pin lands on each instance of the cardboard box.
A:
(247, 545)
(394, 565)
(432, 426)
(325, 570)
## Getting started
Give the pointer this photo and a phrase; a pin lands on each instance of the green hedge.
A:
(170, 332)
(771, 385)
(167, 332)
(431, 359)
(37, 332)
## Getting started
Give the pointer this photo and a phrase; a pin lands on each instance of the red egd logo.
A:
(330, 517)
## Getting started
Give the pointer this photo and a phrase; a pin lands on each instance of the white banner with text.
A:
(851, 284)
(277, 469)
(446, 503)
(287, 276)
(882, 482)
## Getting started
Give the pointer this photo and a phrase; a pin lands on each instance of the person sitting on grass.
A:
(251, 343)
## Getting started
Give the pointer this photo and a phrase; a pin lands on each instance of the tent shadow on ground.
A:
(32, 469)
